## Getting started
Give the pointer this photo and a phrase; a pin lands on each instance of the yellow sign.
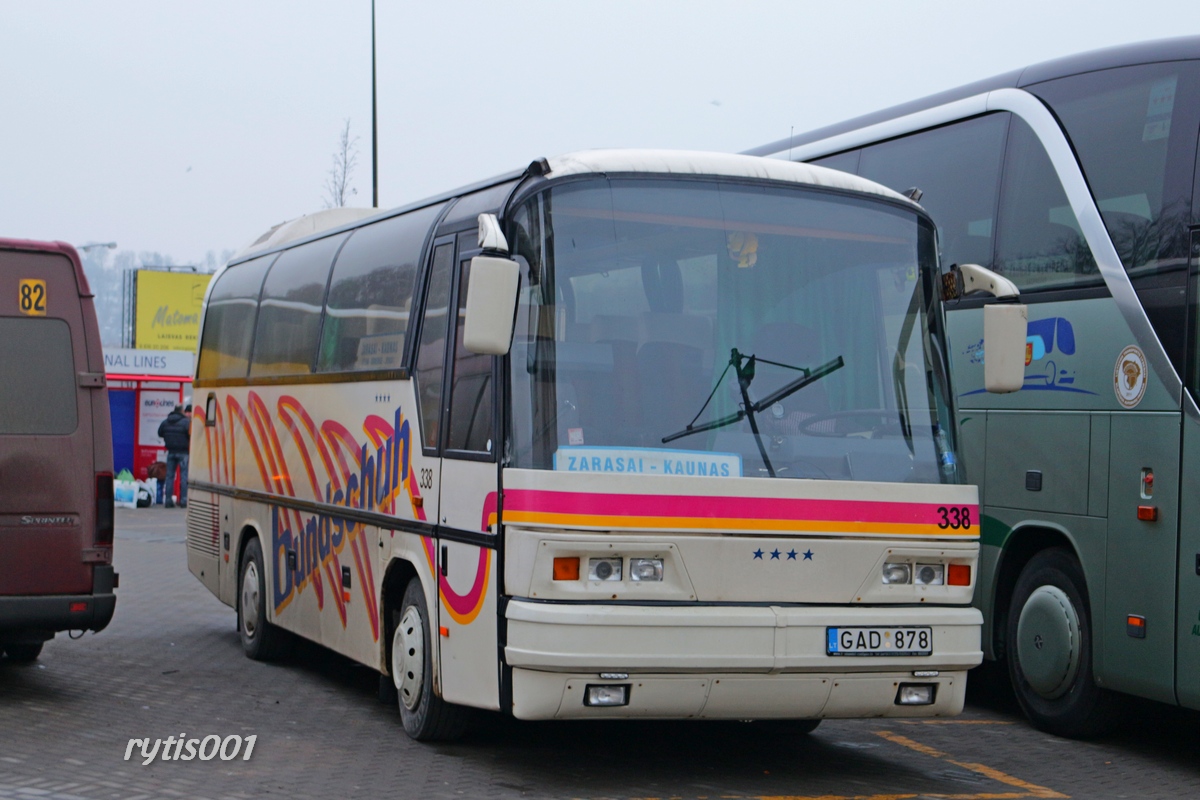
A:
(168, 309)
(31, 297)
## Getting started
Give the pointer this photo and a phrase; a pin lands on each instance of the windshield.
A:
(710, 328)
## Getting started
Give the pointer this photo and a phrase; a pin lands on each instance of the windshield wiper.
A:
(744, 366)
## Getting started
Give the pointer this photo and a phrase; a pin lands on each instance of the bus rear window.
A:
(37, 377)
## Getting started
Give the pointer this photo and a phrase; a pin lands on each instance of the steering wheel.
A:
(889, 417)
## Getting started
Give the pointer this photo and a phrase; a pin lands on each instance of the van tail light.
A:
(104, 509)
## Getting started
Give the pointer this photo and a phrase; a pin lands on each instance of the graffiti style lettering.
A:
(308, 549)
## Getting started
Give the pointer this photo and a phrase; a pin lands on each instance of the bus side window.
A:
(1134, 130)
(1039, 244)
(1192, 367)
(229, 321)
(371, 293)
(958, 169)
(431, 350)
(471, 390)
(289, 313)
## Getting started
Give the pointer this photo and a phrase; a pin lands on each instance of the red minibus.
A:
(56, 481)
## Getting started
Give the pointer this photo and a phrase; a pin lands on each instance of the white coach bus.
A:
(623, 434)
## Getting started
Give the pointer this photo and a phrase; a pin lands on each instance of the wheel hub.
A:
(1048, 642)
(250, 600)
(408, 658)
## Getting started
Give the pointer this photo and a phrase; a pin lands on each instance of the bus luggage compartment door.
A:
(1141, 556)
(204, 539)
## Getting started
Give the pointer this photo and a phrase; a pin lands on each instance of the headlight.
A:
(604, 569)
(645, 569)
(930, 574)
(610, 695)
(916, 694)
(896, 573)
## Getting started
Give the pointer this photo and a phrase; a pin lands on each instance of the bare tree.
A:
(345, 159)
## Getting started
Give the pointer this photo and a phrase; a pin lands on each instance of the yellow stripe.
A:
(1032, 788)
(979, 796)
(956, 722)
(726, 523)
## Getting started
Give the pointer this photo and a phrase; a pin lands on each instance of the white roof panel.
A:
(694, 162)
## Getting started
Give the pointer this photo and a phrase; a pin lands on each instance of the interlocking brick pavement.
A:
(171, 663)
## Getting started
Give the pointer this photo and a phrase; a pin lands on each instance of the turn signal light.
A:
(566, 568)
(959, 575)
(1148, 513)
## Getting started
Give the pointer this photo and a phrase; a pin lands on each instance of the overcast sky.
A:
(189, 127)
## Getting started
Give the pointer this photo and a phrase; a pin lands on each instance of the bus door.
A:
(466, 547)
(429, 384)
(1187, 626)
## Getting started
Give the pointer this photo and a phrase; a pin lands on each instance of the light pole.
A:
(374, 121)
(93, 245)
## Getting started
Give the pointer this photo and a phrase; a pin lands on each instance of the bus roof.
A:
(1179, 49)
(690, 162)
(584, 162)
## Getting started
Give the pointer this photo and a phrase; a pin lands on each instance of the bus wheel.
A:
(261, 640)
(23, 653)
(1050, 649)
(426, 717)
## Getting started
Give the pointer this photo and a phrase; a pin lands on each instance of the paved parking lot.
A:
(171, 664)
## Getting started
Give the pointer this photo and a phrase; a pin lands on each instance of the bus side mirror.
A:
(491, 305)
(1005, 327)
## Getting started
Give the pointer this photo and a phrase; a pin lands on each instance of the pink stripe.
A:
(462, 604)
(655, 505)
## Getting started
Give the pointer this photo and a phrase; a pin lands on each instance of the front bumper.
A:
(729, 662)
(39, 617)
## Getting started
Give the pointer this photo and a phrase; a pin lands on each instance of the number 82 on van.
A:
(879, 641)
(31, 297)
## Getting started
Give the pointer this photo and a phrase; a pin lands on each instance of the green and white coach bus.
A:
(1075, 179)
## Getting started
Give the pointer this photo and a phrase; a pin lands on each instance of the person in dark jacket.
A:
(176, 432)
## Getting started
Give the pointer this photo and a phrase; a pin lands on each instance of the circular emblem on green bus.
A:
(1129, 376)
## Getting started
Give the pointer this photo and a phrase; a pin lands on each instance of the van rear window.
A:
(37, 377)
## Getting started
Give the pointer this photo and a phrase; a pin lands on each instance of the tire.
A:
(261, 640)
(426, 717)
(23, 653)
(1049, 650)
